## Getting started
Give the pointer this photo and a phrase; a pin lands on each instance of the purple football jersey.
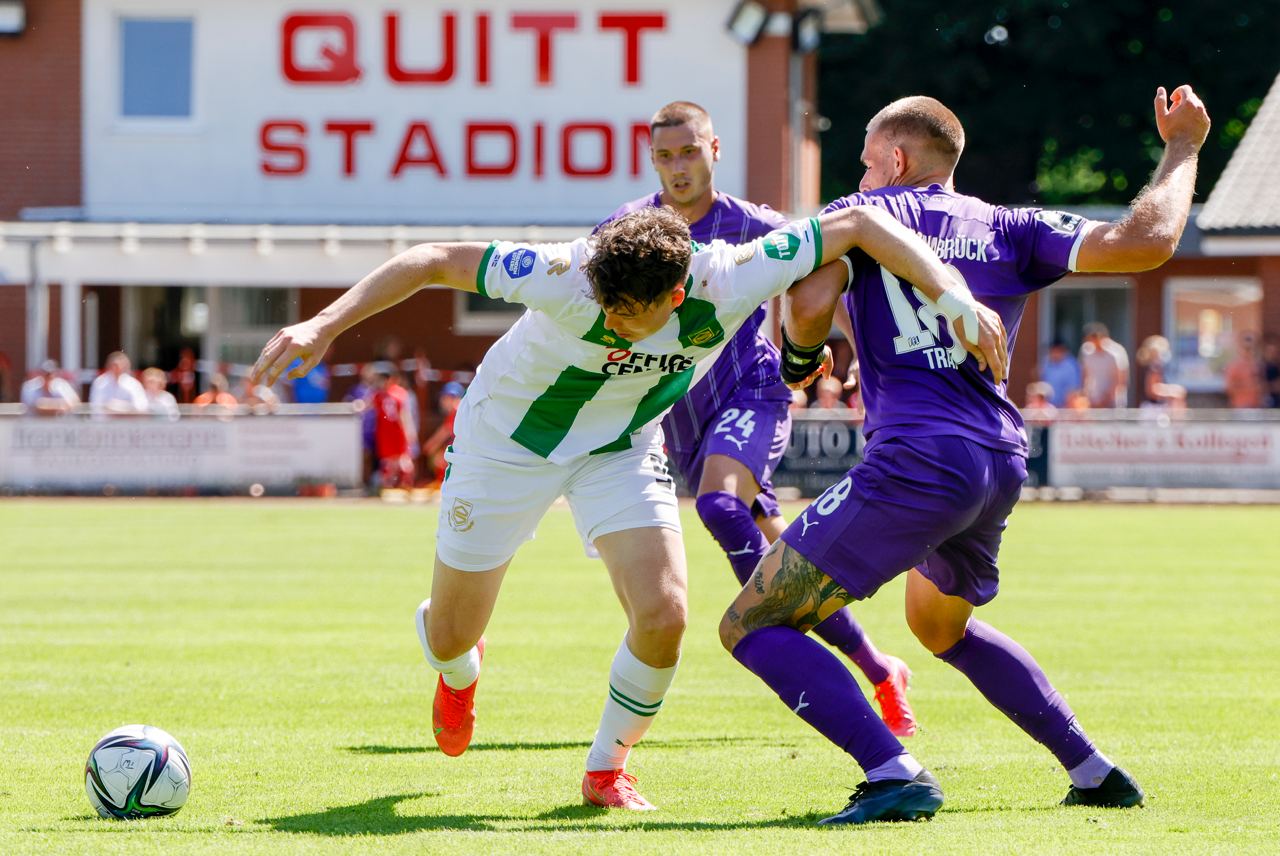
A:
(747, 369)
(914, 383)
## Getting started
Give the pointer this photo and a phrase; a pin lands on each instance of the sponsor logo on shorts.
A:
(519, 262)
(745, 254)
(781, 246)
(460, 516)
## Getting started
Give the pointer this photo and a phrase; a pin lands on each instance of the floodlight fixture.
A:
(13, 17)
(806, 30)
(747, 22)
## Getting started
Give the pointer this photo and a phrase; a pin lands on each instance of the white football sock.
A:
(635, 695)
(1091, 772)
(460, 672)
(904, 766)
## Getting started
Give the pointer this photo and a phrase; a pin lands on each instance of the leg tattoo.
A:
(794, 596)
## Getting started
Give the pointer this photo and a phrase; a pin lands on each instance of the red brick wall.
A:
(13, 338)
(40, 103)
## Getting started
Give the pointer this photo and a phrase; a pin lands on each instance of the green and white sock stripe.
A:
(639, 708)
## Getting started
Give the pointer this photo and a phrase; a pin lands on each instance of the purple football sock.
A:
(843, 631)
(813, 683)
(1010, 678)
(729, 521)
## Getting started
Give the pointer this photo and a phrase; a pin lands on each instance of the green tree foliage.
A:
(1055, 95)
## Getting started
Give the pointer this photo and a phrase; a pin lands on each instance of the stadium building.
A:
(182, 176)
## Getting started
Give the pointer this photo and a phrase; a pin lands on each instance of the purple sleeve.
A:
(625, 209)
(765, 221)
(1046, 242)
(844, 202)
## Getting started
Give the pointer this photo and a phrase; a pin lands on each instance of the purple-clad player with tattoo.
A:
(945, 456)
(727, 435)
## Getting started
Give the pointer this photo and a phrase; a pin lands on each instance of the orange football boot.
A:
(891, 695)
(613, 789)
(453, 714)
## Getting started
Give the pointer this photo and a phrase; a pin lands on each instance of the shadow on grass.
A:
(379, 817)
(538, 746)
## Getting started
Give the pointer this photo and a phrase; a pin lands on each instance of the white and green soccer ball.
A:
(137, 771)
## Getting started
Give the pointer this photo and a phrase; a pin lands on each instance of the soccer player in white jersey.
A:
(567, 403)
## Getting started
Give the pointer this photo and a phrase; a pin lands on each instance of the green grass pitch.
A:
(275, 640)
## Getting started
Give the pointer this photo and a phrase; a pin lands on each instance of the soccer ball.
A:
(137, 771)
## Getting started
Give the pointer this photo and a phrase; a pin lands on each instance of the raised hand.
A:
(1181, 117)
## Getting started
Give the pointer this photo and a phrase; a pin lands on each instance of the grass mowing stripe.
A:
(275, 640)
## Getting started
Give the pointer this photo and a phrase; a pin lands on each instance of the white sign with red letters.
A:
(511, 111)
(1158, 453)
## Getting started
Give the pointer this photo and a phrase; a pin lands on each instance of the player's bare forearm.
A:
(450, 264)
(892, 245)
(453, 265)
(1148, 234)
(809, 305)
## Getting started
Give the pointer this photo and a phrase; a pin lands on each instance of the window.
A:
(1070, 305)
(475, 314)
(241, 320)
(1204, 320)
(155, 67)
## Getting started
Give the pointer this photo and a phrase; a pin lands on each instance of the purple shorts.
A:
(753, 433)
(939, 504)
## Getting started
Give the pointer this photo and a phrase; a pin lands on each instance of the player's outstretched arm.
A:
(451, 264)
(1146, 237)
(808, 308)
(904, 254)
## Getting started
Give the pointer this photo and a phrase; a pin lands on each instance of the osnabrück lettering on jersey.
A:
(973, 249)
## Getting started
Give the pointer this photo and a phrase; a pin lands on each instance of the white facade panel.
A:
(354, 112)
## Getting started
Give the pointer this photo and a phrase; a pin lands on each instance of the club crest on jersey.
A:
(706, 334)
(745, 254)
(460, 516)
(781, 246)
(519, 262)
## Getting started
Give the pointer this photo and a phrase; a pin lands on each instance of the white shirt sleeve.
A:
(754, 272)
(547, 277)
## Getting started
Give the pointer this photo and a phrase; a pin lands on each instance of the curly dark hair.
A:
(638, 258)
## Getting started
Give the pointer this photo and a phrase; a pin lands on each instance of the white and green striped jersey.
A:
(560, 385)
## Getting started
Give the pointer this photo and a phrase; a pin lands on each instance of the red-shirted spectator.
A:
(392, 429)
(450, 397)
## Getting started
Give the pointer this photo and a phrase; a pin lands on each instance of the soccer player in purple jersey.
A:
(728, 433)
(945, 456)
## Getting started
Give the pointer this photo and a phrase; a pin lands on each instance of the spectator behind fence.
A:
(259, 397)
(393, 429)
(6, 378)
(1153, 357)
(217, 395)
(1061, 371)
(160, 402)
(1039, 406)
(799, 400)
(1271, 368)
(450, 399)
(1104, 367)
(116, 391)
(1244, 375)
(48, 394)
(313, 387)
(829, 392)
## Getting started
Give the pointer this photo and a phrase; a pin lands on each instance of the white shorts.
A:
(490, 506)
